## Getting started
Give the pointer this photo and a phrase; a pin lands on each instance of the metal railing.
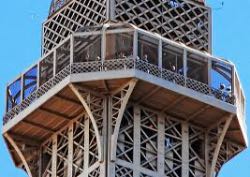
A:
(115, 65)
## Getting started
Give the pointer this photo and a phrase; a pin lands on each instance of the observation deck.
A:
(187, 84)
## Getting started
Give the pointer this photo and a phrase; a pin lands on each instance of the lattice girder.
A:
(221, 150)
(76, 14)
(72, 151)
(186, 22)
(179, 20)
(149, 143)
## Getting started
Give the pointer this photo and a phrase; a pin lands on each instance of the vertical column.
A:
(210, 30)
(22, 88)
(233, 81)
(108, 10)
(103, 43)
(54, 62)
(72, 49)
(185, 63)
(104, 139)
(40, 163)
(137, 135)
(111, 162)
(135, 44)
(160, 54)
(209, 65)
(54, 155)
(161, 144)
(207, 154)
(38, 75)
(6, 98)
(185, 150)
(86, 146)
(111, 9)
(70, 150)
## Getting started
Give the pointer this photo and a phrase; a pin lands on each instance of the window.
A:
(30, 82)
(222, 76)
(119, 46)
(197, 68)
(148, 49)
(87, 48)
(46, 69)
(62, 56)
(172, 58)
(14, 94)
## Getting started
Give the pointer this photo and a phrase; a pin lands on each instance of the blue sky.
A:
(20, 38)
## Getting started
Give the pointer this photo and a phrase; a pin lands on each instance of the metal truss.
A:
(27, 150)
(20, 154)
(197, 163)
(154, 144)
(220, 150)
(72, 151)
(93, 104)
(179, 20)
(118, 102)
(227, 151)
(148, 144)
(77, 14)
(170, 147)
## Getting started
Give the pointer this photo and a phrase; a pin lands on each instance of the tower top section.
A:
(58, 4)
(184, 21)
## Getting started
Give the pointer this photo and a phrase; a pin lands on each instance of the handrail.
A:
(118, 64)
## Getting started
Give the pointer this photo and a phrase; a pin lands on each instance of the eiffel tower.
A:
(126, 88)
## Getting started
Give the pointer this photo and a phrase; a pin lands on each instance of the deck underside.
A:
(64, 107)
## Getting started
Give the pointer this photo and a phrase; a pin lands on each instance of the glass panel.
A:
(90, 28)
(222, 76)
(197, 68)
(119, 46)
(30, 82)
(87, 48)
(46, 69)
(237, 89)
(62, 56)
(148, 49)
(172, 58)
(243, 105)
(14, 94)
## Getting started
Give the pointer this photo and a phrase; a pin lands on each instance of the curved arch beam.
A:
(91, 116)
(124, 100)
(19, 152)
(218, 145)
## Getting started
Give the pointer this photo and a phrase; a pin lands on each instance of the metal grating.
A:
(179, 20)
(76, 14)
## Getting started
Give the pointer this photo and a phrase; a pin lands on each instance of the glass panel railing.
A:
(14, 94)
(172, 58)
(87, 48)
(29, 82)
(119, 45)
(197, 67)
(46, 68)
(180, 65)
(114, 65)
(148, 49)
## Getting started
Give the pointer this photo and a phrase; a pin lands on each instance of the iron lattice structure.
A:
(119, 99)
(186, 21)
